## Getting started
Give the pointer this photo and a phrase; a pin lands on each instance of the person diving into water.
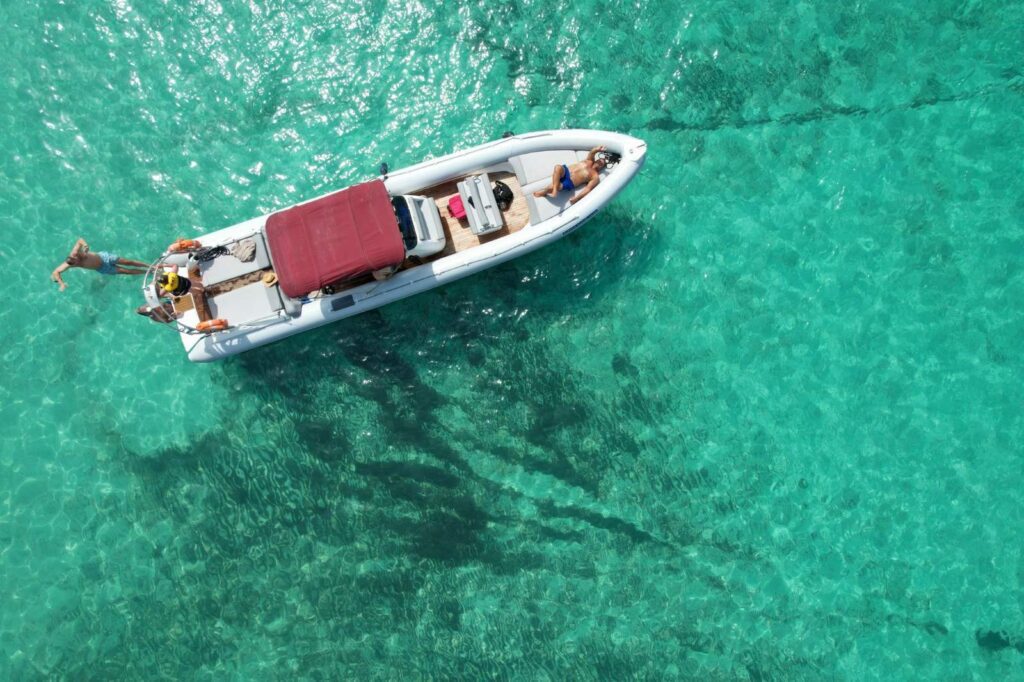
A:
(103, 262)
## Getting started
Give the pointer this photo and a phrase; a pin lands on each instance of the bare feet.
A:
(544, 193)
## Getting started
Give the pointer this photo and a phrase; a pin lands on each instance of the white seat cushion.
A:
(546, 207)
(246, 303)
(540, 165)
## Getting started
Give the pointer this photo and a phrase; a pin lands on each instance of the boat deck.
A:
(458, 238)
(457, 233)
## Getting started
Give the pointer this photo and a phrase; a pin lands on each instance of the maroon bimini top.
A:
(337, 237)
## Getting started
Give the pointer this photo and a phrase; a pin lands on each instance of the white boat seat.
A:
(481, 206)
(544, 208)
(530, 168)
(426, 220)
(247, 303)
(225, 267)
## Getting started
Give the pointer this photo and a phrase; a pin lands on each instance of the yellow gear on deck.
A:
(169, 282)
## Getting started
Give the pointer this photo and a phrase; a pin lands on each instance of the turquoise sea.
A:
(760, 420)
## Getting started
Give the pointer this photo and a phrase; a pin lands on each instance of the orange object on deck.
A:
(184, 245)
(217, 325)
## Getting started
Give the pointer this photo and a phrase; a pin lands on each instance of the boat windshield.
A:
(405, 223)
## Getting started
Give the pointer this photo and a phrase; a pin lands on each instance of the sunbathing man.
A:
(585, 172)
(102, 262)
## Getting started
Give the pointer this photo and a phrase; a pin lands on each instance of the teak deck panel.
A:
(457, 233)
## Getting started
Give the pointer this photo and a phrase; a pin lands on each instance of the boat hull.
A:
(316, 312)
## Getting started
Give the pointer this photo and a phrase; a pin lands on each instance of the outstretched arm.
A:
(586, 190)
(80, 247)
(595, 151)
(55, 275)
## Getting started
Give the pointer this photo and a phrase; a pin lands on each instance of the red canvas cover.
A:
(339, 236)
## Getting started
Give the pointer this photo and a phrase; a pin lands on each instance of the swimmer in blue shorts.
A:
(585, 173)
(102, 262)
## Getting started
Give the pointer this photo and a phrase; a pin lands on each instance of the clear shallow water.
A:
(761, 419)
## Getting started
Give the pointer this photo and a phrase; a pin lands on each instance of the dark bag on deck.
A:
(503, 195)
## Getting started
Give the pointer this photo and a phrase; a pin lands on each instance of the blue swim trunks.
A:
(567, 179)
(109, 266)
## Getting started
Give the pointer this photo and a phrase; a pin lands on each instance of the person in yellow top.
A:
(170, 283)
(173, 284)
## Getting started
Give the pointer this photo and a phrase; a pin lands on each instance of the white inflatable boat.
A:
(377, 242)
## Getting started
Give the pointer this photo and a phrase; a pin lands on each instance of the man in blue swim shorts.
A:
(102, 262)
(586, 172)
